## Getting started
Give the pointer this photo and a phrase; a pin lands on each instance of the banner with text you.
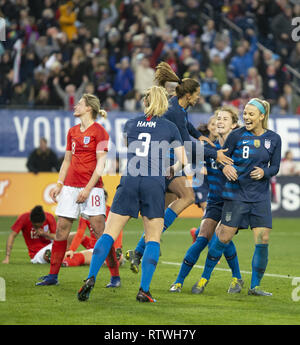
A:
(21, 130)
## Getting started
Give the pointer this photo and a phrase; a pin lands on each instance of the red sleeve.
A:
(52, 223)
(102, 140)
(19, 223)
(79, 234)
(69, 142)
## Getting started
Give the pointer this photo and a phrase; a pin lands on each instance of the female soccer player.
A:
(38, 229)
(180, 194)
(79, 189)
(226, 121)
(141, 189)
(256, 152)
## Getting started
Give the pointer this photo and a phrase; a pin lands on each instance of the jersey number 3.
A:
(146, 138)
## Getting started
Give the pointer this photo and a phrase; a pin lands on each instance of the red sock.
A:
(77, 260)
(112, 263)
(57, 255)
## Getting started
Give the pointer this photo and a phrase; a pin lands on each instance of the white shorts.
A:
(68, 207)
(39, 256)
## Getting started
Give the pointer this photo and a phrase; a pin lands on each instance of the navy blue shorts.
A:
(139, 194)
(255, 214)
(214, 211)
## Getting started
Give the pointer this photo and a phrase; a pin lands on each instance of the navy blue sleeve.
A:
(273, 168)
(231, 142)
(193, 131)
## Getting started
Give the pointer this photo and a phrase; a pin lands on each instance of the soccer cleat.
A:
(115, 282)
(236, 285)
(198, 288)
(143, 296)
(47, 280)
(84, 292)
(134, 260)
(176, 287)
(47, 255)
(192, 232)
(257, 292)
(120, 256)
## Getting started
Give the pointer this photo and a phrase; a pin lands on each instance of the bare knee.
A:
(98, 225)
(261, 236)
(63, 228)
(224, 233)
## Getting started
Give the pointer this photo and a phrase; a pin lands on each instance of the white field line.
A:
(228, 270)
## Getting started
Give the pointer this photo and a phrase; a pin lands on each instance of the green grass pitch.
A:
(26, 304)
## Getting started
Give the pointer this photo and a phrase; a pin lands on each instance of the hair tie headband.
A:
(258, 105)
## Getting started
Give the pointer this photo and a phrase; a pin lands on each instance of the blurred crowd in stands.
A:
(238, 49)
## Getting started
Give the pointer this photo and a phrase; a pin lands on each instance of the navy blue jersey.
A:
(148, 141)
(216, 179)
(178, 115)
(249, 151)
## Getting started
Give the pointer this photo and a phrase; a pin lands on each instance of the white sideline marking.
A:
(228, 270)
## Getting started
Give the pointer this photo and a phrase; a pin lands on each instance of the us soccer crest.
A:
(228, 216)
(267, 144)
(257, 143)
(86, 140)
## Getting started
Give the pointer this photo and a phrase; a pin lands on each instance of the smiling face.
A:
(253, 118)
(224, 123)
(212, 127)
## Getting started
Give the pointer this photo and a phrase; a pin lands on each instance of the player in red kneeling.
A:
(38, 229)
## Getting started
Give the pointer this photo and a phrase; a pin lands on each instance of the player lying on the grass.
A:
(84, 257)
(226, 120)
(256, 152)
(139, 190)
(179, 194)
(80, 186)
(38, 229)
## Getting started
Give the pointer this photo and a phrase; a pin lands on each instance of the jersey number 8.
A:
(246, 150)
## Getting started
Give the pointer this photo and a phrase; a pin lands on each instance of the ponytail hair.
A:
(93, 102)
(264, 108)
(164, 73)
(156, 101)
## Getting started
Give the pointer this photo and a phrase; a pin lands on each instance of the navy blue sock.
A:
(100, 252)
(259, 264)
(149, 262)
(197, 232)
(170, 216)
(214, 254)
(232, 260)
(191, 257)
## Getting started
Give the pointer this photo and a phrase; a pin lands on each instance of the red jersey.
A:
(84, 146)
(34, 242)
